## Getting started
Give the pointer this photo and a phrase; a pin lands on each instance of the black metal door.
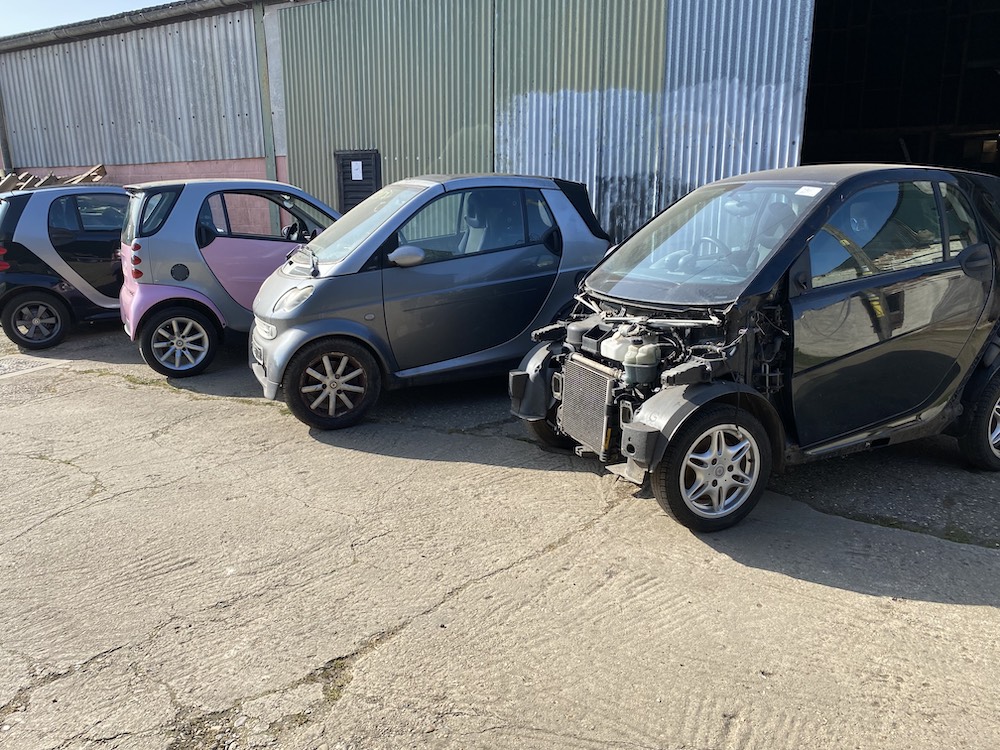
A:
(359, 174)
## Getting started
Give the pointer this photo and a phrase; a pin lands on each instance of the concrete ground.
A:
(184, 565)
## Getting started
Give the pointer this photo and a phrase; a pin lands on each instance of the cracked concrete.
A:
(186, 566)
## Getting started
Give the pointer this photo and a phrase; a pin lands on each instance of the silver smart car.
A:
(433, 278)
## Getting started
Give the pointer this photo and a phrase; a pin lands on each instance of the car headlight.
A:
(292, 298)
(264, 330)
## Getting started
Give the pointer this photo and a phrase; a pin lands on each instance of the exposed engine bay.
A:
(606, 361)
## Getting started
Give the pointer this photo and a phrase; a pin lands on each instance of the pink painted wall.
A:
(129, 174)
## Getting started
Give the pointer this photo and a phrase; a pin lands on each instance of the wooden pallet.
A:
(26, 180)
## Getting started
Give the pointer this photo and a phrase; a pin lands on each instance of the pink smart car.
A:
(194, 254)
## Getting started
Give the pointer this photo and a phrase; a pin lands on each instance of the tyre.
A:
(35, 320)
(331, 384)
(544, 431)
(981, 443)
(178, 341)
(714, 470)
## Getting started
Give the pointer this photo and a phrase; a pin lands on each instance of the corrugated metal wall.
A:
(411, 79)
(642, 100)
(181, 92)
(735, 88)
(579, 95)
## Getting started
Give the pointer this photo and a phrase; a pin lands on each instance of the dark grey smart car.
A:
(430, 279)
(776, 318)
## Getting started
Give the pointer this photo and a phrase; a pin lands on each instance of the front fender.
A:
(278, 352)
(530, 385)
(645, 438)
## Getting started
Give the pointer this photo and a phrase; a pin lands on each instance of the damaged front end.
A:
(618, 380)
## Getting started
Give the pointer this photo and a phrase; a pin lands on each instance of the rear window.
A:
(10, 211)
(147, 212)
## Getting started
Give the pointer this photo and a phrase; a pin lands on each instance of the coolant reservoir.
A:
(616, 345)
(640, 362)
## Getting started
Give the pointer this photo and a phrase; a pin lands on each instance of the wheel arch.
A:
(380, 362)
(181, 302)
(7, 295)
(673, 408)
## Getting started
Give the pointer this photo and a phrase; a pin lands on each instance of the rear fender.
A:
(656, 422)
(151, 297)
(530, 385)
(988, 369)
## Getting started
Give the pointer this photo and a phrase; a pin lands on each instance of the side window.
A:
(63, 216)
(471, 222)
(308, 218)
(540, 219)
(960, 220)
(438, 225)
(212, 215)
(878, 230)
(155, 210)
(252, 215)
(102, 212)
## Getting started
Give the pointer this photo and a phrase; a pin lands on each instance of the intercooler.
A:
(586, 399)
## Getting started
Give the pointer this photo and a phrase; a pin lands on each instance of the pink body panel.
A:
(242, 264)
(138, 299)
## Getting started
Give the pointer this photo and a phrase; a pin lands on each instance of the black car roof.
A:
(833, 174)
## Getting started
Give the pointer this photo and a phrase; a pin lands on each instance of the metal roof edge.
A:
(180, 10)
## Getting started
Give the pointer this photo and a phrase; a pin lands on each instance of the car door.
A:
(892, 312)
(85, 230)
(241, 237)
(491, 257)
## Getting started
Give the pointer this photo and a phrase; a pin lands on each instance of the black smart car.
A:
(59, 262)
(776, 318)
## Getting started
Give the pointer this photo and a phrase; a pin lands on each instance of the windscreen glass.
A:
(357, 225)
(705, 248)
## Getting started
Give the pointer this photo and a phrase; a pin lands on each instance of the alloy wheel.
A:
(180, 343)
(37, 322)
(333, 384)
(720, 471)
(994, 427)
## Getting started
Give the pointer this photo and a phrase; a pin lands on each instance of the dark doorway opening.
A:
(907, 81)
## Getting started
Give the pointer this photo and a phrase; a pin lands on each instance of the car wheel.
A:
(331, 384)
(981, 443)
(35, 320)
(178, 342)
(545, 432)
(714, 470)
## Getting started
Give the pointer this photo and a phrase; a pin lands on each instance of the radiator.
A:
(584, 413)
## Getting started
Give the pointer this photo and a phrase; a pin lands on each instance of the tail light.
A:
(136, 260)
(4, 265)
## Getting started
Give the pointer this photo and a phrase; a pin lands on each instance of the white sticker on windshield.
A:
(809, 191)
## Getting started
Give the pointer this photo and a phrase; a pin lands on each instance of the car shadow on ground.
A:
(788, 538)
(925, 485)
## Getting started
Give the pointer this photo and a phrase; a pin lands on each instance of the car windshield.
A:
(343, 237)
(705, 248)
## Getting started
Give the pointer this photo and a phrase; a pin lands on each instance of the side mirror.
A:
(611, 249)
(406, 256)
(977, 262)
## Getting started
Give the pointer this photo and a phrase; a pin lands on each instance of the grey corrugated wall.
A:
(647, 99)
(411, 79)
(185, 91)
(642, 100)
